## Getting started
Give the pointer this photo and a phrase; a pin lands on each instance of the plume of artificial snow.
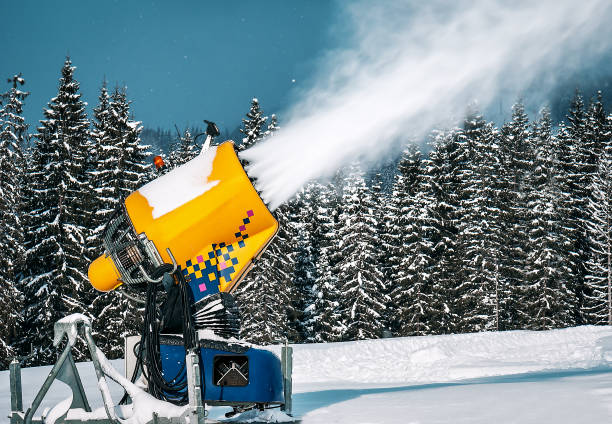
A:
(411, 62)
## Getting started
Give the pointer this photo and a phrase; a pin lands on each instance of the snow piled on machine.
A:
(181, 185)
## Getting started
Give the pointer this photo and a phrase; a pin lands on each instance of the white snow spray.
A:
(412, 62)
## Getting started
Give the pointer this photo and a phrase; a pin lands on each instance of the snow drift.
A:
(434, 359)
(409, 62)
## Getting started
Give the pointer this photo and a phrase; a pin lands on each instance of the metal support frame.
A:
(65, 370)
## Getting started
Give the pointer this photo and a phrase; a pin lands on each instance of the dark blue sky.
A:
(182, 61)
(185, 61)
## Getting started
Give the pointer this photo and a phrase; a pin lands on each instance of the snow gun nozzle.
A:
(205, 218)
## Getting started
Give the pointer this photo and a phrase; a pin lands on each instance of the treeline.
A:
(58, 187)
(165, 140)
(495, 229)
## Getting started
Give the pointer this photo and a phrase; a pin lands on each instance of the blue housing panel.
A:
(265, 376)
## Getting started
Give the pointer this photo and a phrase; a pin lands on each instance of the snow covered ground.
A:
(560, 376)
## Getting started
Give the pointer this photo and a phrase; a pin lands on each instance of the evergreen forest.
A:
(493, 228)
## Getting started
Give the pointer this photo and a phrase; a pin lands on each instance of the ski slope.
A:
(559, 376)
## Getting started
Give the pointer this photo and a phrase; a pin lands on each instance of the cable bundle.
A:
(148, 356)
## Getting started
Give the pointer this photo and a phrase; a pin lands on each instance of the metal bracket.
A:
(160, 279)
(194, 388)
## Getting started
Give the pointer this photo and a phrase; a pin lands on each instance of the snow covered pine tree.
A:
(361, 282)
(598, 290)
(121, 168)
(57, 218)
(183, 150)
(12, 138)
(252, 126)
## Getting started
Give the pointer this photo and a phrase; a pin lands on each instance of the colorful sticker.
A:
(205, 273)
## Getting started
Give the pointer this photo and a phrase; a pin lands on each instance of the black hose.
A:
(148, 353)
(190, 338)
(174, 390)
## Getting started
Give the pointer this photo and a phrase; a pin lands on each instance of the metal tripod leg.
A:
(63, 369)
(16, 392)
(66, 371)
(102, 384)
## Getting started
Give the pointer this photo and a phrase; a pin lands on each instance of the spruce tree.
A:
(596, 136)
(125, 132)
(326, 324)
(383, 214)
(183, 150)
(189, 148)
(252, 126)
(442, 187)
(12, 138)
(132, 172)
(547, 301)
(516, 159)
(56, 221)
(573, 165)
(107, 153)
(78, 196)
(301, 215)
(410, 251)
(413, 297)
(480, 294)
(597, 307)
(363, 303)
(273, 125)
(118, 169)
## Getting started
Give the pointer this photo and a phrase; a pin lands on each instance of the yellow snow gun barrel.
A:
(203, 219)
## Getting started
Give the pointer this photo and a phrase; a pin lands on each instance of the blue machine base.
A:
(265, 381)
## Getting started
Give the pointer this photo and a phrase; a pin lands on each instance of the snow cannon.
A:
(193, 231)
(203, 219)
